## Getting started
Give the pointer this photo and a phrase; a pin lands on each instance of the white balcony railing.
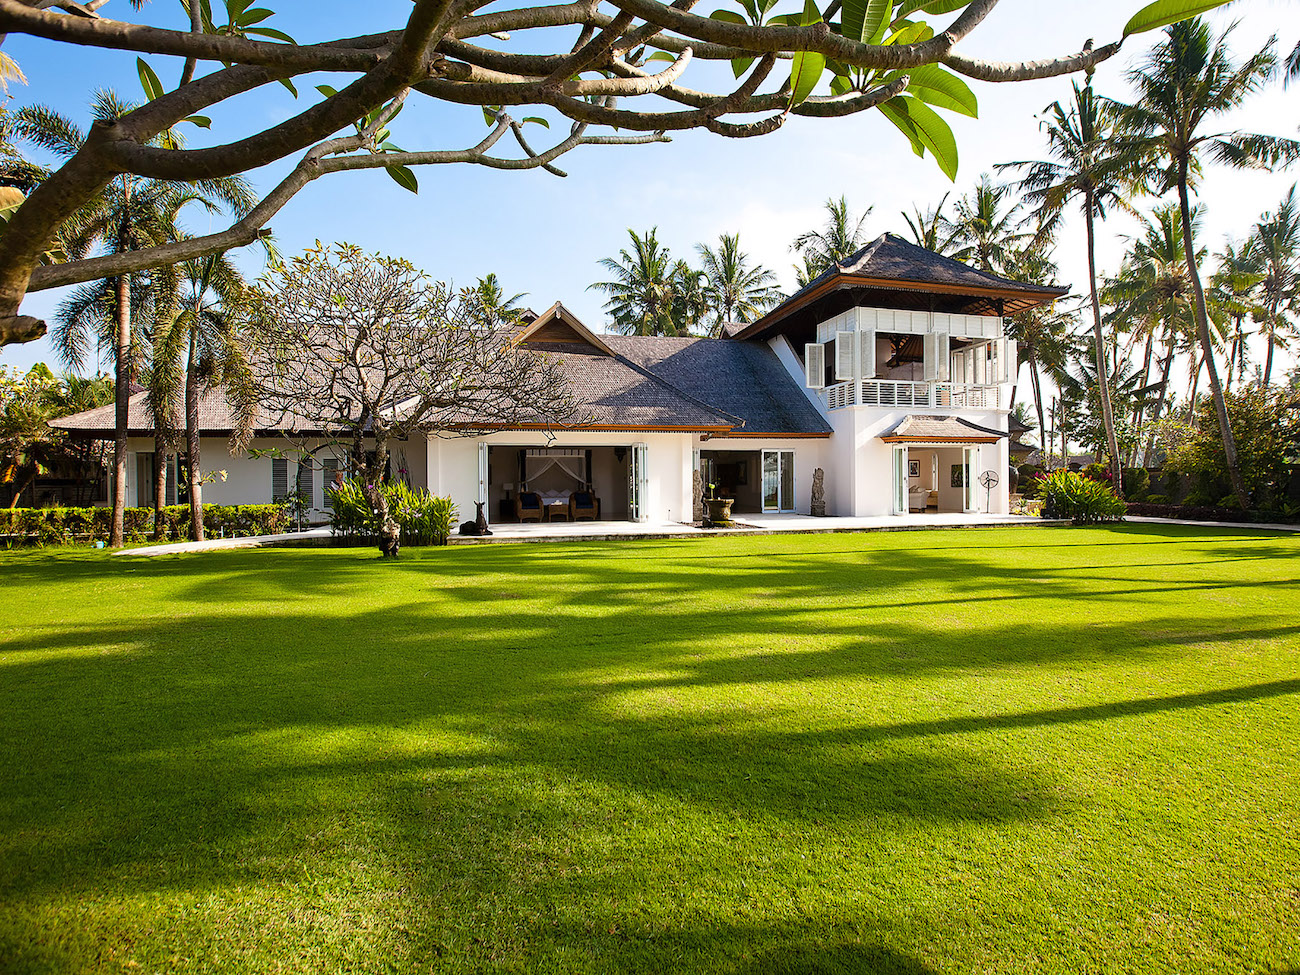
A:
(913, 395)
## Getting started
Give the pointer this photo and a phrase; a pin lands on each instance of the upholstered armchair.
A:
(584, 505)
(528, 506)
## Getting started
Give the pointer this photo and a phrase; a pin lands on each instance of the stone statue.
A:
(697, 496)
(818, 507)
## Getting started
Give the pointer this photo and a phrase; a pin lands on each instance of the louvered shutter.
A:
(279, 478)
(330, 469)
(867, 354)
(844, 355)
(942, 372)
(307, 483)
(814, 364)
(1007, 356)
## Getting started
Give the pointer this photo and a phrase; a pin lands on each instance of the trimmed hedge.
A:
(59, 526)
(1191, 512)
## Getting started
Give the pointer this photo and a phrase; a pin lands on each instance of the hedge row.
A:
(55, 526)
(1190, 512)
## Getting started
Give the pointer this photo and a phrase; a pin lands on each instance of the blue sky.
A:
(544, 236)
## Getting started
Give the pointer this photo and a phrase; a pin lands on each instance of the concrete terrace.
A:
(621, 530)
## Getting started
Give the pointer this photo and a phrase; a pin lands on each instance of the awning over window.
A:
(940, 431)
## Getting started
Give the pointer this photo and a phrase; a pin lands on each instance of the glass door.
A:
(483, 476)
(778, 480)
(637, 483)
(971, 465)
(900, 480)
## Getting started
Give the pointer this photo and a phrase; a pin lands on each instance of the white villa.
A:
(890, 372)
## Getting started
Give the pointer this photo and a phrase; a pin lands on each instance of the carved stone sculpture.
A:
(818, 507)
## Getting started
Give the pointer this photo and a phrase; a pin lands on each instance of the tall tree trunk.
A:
(1207, 348)
(1099, 343)
(159, 476)
(1163, 397)
(192, 457)
(1272, 342)
(122, 371)
(372, 486)
(1036, 385)
(1198, 360)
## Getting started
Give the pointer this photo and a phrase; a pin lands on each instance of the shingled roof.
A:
(630, 383)
(891, 264)
(939, 430)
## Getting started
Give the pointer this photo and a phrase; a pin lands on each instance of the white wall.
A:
(809, 454)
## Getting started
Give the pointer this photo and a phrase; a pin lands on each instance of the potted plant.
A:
(718, 510)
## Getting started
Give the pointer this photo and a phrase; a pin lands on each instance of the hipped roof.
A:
(939, 430)
(891, 264)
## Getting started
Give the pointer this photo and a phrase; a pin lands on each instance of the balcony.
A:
(890, 393)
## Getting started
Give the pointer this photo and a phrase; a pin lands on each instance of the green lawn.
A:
(1012, 750)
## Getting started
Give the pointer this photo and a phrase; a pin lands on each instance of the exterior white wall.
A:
(809, 454)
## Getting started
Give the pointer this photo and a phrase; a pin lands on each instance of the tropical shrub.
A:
(61, 526)
(1067, 494)
(1266, 424)
(424, 518)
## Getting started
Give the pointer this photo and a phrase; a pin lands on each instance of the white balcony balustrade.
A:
(913, 395)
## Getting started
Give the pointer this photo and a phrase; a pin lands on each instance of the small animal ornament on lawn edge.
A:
(479, 526)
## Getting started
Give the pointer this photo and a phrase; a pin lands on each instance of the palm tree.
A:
(931, 230)
(1084, 167)
(690, 303)
(1152, 291)
(129, 214)
(837, 240)
(1234, 288)
(641, 294)
(496, 307)
(983, 232)
(1043, 333)
(1185, 80)
(203, 346)
(1276, 244)
(735, 290)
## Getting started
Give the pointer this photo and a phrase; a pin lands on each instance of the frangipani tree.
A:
(901, 57)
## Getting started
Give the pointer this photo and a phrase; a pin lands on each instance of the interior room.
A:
(558, 483)
(936, 479)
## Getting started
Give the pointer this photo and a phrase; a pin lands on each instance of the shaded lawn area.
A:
(1007, 750)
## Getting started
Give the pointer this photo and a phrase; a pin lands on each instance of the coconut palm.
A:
(202, 351)
(1183, 82)
(1276, 245)
(641, 292)
(984, 233)
(496, 307)
(735, 290)
(837, 240)
(1085, 167)
(129, 214)
(1152, 292)
(1234, 288)
(931, 230)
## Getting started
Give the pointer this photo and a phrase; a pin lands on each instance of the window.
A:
(306, 482)
(330, 470)
(279, 478)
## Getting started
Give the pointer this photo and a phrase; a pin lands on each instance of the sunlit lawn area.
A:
(1013, 750)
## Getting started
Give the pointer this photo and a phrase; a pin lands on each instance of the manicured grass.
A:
(1016, 750)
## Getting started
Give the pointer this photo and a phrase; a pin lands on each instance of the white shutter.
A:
(929, 352)
(941, 358)
(844, 355)
(814, 364)
(1007, 355)
(867, 354)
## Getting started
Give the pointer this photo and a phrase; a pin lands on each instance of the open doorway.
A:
(596, 479)
(934, 479)
(757, 480)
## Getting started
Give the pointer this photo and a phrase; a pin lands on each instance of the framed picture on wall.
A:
(742, 472)
(913, 468)
(958, 475)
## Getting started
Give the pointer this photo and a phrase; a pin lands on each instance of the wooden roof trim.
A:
(557, 312)
(838, 281)
(593, 427)
(931, 441)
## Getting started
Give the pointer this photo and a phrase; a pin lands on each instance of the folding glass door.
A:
(778, 480)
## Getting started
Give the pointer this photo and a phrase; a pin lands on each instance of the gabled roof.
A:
(890, 263)
(939, 429)
(559, 325)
